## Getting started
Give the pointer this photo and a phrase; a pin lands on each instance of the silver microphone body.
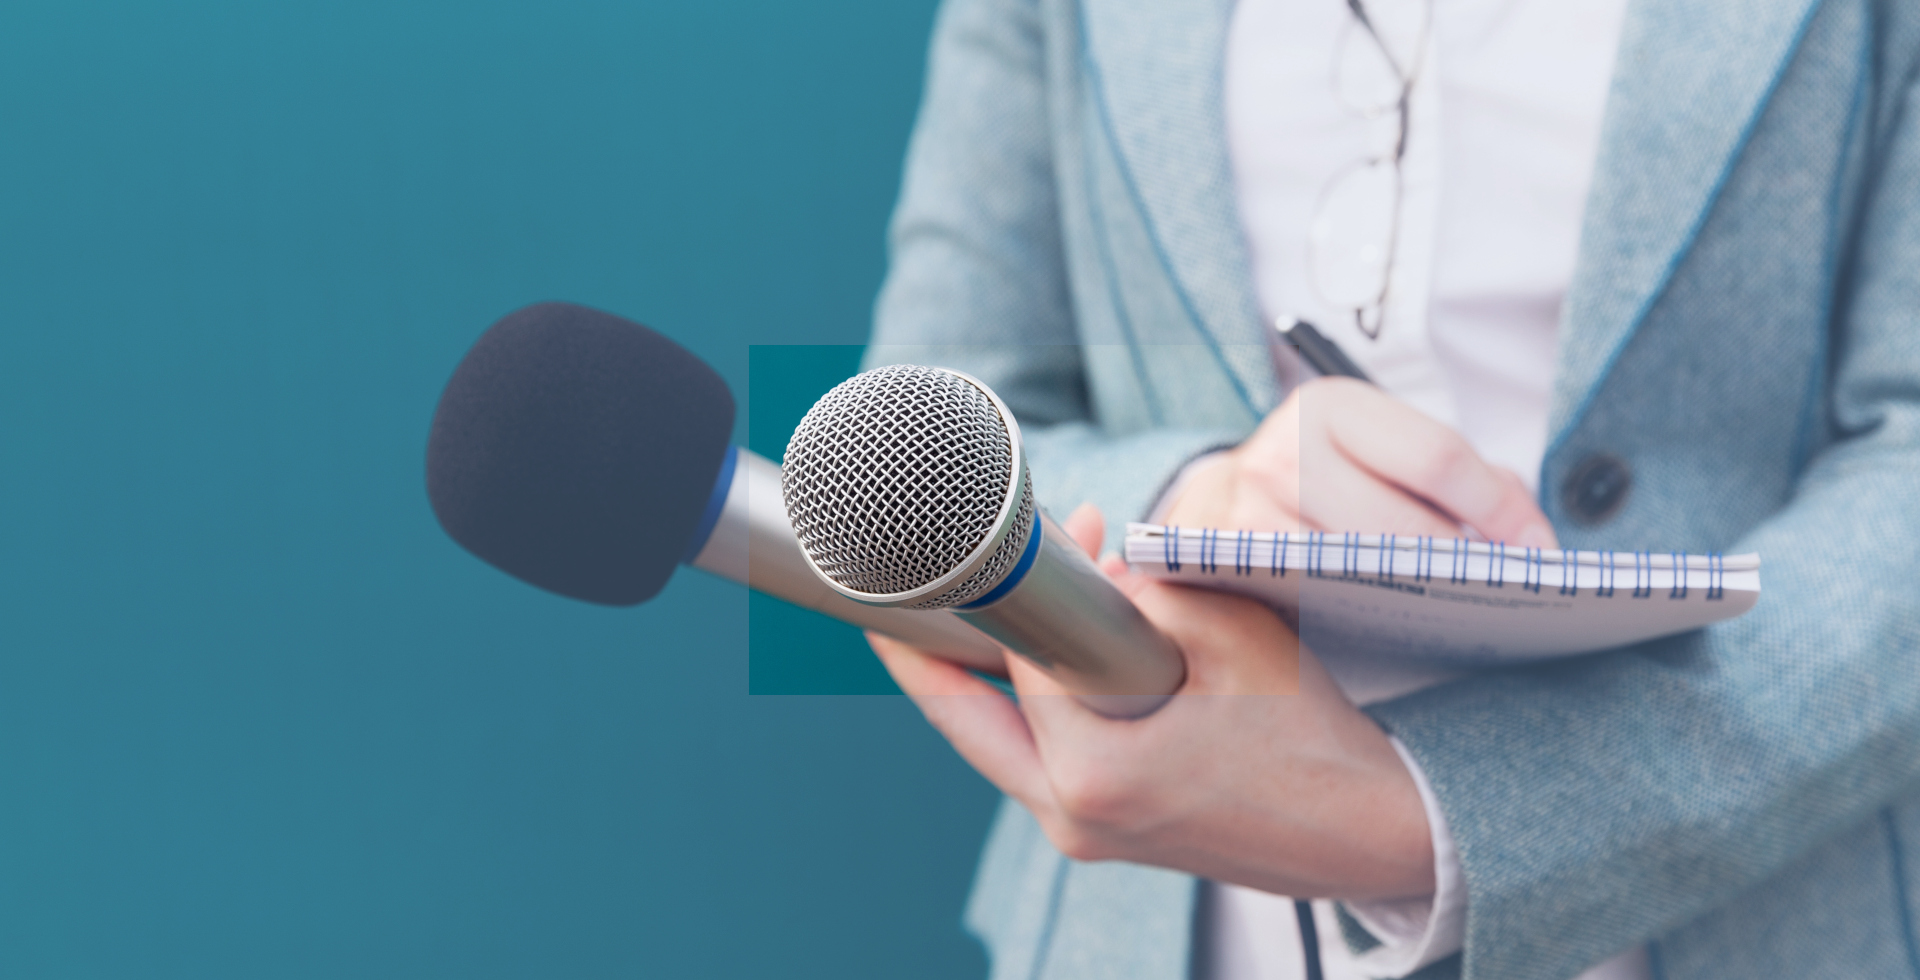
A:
(1068, 618)
(908, 488)
(753, 543)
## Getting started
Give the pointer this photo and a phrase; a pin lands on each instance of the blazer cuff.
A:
(1414, 932)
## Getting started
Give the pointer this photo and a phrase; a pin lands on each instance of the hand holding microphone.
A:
(588, 455)
(1260, 773)
(908, 485)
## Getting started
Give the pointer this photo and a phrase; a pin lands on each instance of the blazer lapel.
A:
(1154, 68)
(1691, 79)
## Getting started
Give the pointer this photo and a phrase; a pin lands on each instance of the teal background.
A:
(791, 650)
(258, 716)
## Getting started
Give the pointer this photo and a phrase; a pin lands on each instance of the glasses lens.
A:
(1350, 243)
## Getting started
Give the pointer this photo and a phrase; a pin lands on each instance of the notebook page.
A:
(1450, 602)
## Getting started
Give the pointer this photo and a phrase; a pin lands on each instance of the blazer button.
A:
(1596, 488)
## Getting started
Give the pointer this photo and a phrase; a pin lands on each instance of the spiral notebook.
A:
(1451, 602)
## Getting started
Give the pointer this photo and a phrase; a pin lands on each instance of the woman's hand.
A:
(1259, 772)
(1342, 455)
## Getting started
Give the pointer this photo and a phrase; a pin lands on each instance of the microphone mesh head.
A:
(897, 476)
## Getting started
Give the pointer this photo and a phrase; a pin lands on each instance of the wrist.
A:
(1415, 932)
(1363, 838)
(1391, 853)
(1400, 829)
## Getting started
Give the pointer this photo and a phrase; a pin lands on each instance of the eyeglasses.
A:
(1355, 231)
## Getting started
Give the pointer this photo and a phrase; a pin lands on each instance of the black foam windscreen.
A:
(576, 450)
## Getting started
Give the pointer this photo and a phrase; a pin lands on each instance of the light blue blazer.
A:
(1743, 332)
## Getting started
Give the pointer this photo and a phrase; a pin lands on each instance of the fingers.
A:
(985, 727)
(1517, 487)
(1421, 457)
(1305, 480)
(1029, 680)
(1208, 495)
(1337, 494)
(1086, 527)
(921, 675)
(1233, 645)
(1115, 569)
(1065, 732)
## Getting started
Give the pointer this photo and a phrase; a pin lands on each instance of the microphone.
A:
(588, 455)
(908, 488)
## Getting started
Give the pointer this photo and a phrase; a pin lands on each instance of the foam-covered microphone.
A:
(588, 455)
(908, 487)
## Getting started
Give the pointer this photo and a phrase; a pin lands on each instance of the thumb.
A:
(1086, 527)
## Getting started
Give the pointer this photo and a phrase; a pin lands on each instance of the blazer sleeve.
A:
(977, 278)
(1602, 802)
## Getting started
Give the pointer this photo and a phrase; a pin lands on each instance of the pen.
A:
(1323, 355)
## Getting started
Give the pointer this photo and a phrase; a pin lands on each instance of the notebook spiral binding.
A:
(1378, 558)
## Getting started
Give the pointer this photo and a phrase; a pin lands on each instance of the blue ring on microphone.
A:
(716, 502)
(1019, 572)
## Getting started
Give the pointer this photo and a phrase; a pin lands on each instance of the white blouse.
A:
(1503, 128)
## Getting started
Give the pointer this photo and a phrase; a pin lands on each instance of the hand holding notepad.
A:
(1439, 602)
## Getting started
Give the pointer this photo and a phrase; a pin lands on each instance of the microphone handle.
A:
(753, 543)
(1073, 622)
